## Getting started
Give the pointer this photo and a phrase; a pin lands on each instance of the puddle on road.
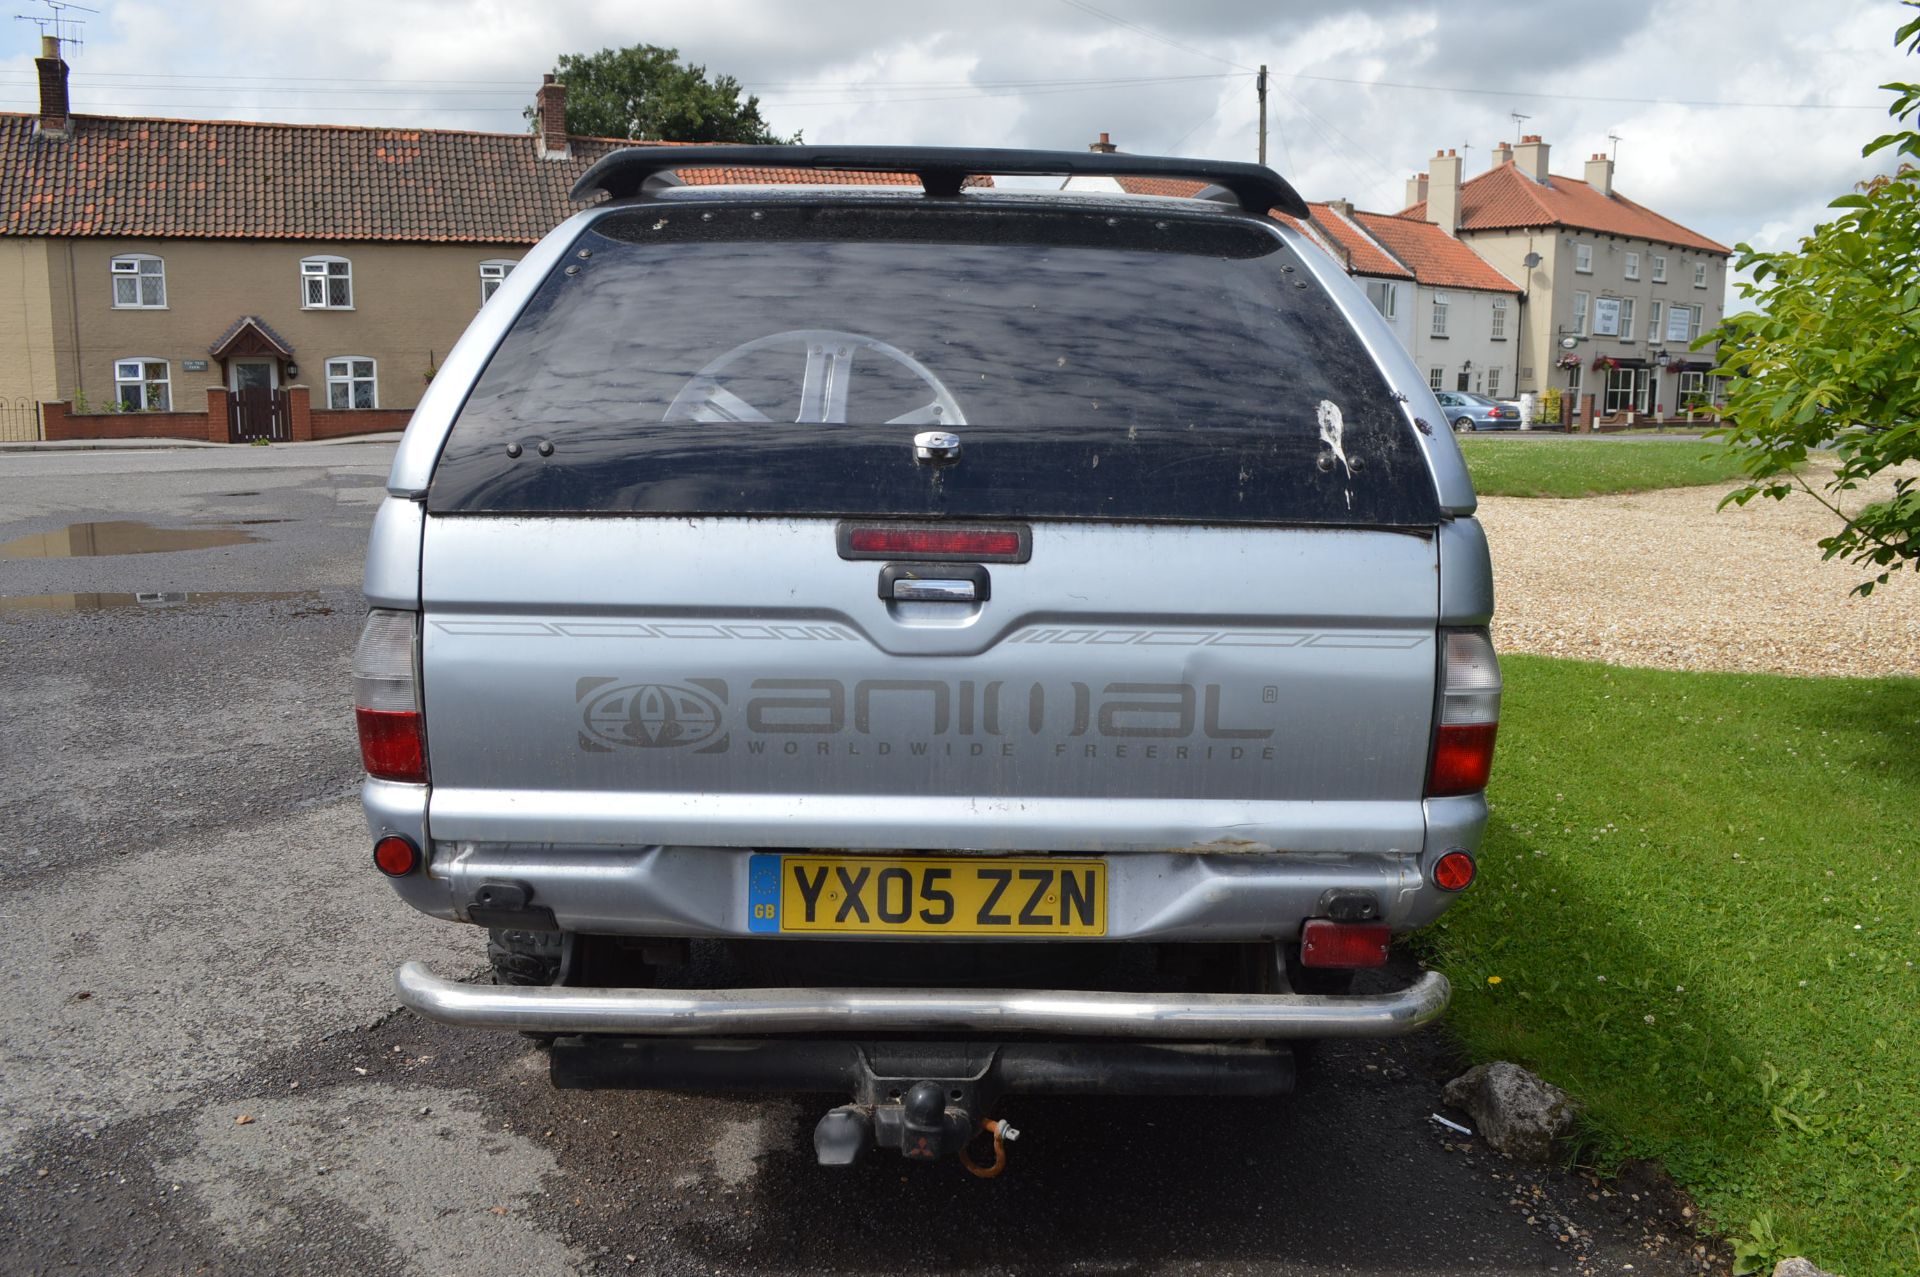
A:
(102, 540)
(151, 600)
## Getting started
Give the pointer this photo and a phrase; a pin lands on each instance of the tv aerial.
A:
(55, 23)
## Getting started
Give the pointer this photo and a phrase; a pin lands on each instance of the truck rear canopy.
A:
(767, 358)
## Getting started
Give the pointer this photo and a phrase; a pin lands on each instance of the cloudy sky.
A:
(1740, 118)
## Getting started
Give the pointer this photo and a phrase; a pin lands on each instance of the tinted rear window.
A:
(778, 360)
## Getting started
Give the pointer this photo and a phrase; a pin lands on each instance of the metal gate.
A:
(258, 412)
(19, 421)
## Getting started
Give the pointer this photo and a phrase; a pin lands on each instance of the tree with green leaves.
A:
(646, 92)
(1831, 358)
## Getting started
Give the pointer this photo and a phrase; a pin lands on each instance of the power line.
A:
(1151, 34)
(1582, 97)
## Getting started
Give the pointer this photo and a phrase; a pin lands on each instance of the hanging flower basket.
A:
(1568, 361)
(1605, 361)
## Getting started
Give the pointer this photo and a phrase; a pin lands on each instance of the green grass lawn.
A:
(1699, 912)
(1577, 466)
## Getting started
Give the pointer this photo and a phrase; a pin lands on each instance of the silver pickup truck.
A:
(927, 645)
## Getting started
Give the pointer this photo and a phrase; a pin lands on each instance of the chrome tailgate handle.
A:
(935, 591)
(934, 583)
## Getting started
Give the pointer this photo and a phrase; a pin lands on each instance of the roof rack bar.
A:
(941, 170)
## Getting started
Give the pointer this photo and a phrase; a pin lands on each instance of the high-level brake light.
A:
(940, 544)
(386, 699)
(1469, 715)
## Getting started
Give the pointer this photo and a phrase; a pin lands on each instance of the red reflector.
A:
(395, 856)
(391, 747)
(1325, 943)
(1453, 871)
(952, 543)
(1462, 759)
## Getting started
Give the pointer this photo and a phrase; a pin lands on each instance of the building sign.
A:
(1679, 322)
(193, 365)
(1606, 316)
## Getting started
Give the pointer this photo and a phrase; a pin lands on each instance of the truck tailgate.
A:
(735, 682)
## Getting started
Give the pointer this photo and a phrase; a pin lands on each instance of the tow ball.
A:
(928, 1122)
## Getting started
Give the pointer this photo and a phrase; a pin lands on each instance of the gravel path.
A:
(1661, 579)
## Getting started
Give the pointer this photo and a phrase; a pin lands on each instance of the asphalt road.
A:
(202, 1068)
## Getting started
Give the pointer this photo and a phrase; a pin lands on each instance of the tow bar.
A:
(923, 1100)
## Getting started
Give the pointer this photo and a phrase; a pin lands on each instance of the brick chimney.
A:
(1443, 191)
(56, 117)
(1531, 157)
(550, 114)
(1104, 146)
(1502, 154)
(1600, 174)
(1416, 189)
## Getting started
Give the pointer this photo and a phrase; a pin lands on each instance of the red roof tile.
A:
(1435, 257)
(1505, 198)
(227, 179)
(1361, 255)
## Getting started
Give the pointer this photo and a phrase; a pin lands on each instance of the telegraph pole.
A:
(1261, 84)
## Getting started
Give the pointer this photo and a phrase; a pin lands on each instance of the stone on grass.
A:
(1517, 1113)
(1797, 1267)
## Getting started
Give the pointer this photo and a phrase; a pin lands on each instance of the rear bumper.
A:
(993, 1012)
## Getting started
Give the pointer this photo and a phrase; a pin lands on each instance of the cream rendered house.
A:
(1612, 293)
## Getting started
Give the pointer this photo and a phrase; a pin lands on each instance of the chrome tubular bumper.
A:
(989, 1012)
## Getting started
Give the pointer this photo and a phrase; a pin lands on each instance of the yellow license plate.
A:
(964, 896)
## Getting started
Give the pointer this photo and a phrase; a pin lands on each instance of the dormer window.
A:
(326, 283)
(139, 282)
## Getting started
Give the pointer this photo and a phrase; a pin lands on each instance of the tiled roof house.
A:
(1615, 292)
(172, 268)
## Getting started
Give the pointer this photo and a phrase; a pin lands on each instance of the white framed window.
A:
(493, 274)
(1659, 268)
(1631, 266)
(142, 385)
(139, 282)
(1583, 259)
(1576, 377)
(1653, 323)
(1579, 314)
(1693, 385)
(1439, 328)
(1499, 331)
(1436, 378)
(1699, 274)
(1626, 319)
(1493, 383)
(1680, 323)
(351, 383)
(326, 283)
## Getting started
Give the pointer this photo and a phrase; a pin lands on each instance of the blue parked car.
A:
(1477, 412)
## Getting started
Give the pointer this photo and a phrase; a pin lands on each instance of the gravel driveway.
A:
(1662, 579)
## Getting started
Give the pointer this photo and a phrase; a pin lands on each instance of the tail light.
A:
(1469, 714)
(1325, 943)
(386, 699)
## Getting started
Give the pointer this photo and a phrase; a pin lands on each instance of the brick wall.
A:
(63, 423)
(331, 423)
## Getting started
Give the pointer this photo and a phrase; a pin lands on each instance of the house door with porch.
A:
(258, 407)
